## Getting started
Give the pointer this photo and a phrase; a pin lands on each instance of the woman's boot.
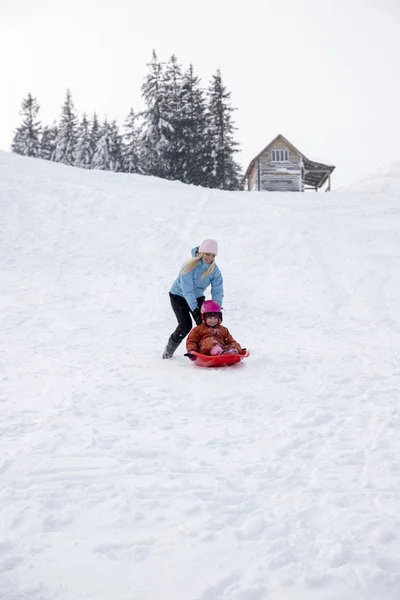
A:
(170, 348)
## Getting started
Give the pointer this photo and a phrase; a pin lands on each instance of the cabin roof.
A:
(316, 173)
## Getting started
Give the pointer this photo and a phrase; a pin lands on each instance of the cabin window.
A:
(279, 156)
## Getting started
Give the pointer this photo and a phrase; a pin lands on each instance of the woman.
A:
(187, 291)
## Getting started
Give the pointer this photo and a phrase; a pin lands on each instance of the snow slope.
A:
(126, 477)
(381, 181)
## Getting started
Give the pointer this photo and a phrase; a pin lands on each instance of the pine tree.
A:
(102, 158)
(82, 150)
(224, 173)
(27, 137)
(131, 149)
(48, 142)
(174, 150)
(194, 130)
(115, 147)
(95, 134)
(157, 128)
(67, 133)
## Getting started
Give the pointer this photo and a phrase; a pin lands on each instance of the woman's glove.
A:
(197, 316)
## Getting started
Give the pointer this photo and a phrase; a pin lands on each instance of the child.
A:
(211, 337)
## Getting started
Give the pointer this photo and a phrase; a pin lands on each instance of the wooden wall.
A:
(277, 176)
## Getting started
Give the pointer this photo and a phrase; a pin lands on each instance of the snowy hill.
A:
(126, 477)
(382, 181)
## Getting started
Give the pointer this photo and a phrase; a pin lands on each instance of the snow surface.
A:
(126, 477)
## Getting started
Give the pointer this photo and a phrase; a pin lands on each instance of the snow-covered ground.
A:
(126, 477)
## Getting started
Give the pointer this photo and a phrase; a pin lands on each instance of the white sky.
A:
(324, 73)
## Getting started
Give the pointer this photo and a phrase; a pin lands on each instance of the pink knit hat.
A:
(209, 247)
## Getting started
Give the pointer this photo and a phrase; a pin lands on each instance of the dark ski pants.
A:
(183, 315)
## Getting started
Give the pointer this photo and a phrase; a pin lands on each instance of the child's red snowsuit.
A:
(202, 338)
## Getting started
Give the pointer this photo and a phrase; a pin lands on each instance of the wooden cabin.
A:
(280, 167)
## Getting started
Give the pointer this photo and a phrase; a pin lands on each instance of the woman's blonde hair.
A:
(192, 264)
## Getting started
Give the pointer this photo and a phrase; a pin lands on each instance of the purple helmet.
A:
(210, 306)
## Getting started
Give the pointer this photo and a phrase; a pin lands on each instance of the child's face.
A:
(212, 319)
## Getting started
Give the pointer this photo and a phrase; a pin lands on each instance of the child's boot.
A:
(215, 350)
(231, 351)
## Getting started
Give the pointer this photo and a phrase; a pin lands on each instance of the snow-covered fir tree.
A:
(156, 128)
(174, 150)
(102, 158)
(131, 149)
(67, 133)
(26, 139)
(224, 172)
(94, 136)
(193, 130)
(82, 150)
(48, 142)
(115, 147)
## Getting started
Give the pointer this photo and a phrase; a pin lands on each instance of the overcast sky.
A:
(324, 73)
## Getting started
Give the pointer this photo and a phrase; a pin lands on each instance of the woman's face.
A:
(208, 258)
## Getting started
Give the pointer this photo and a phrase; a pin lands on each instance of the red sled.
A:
(221, 360)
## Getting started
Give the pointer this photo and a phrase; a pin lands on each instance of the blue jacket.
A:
(191, 286)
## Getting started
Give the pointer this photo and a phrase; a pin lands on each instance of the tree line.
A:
(184, 133)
